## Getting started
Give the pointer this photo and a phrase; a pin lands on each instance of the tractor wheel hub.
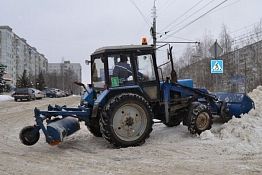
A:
(129, 121)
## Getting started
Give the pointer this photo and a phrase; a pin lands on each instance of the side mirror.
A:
(87, 62)
(79, 83)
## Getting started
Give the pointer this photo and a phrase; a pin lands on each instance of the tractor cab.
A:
(128, 67)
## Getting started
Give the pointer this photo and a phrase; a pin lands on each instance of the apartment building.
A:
(62, 75)
(18, 55)
(66, 66)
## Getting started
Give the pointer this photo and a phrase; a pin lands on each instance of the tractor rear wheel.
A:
(199, 117)
(126, 120)
(94, 127)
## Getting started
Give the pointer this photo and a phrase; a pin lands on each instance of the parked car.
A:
(59, 93)
(63, 93)
(24, 93)
(38, 94)
(68, 93)
(49, 93)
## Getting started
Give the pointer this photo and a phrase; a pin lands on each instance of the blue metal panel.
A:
(186, 82)
(238, 103)
(89, 96)
(98, 101)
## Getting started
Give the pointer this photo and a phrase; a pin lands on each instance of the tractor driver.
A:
(123, 69)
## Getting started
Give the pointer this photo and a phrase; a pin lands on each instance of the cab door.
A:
(146, 75)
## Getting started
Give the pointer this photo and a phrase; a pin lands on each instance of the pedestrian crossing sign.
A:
(216, 66)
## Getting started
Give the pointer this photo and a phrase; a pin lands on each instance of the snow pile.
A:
(244, 134)
(247, 128)
(6, 98)
(207, 135)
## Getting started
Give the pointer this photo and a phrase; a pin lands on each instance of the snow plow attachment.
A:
(60, 122)
(234, 104)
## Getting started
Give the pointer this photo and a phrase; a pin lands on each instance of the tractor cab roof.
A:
(123, 48)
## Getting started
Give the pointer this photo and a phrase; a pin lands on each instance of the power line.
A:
(182, 38)
(140, 12)
(182, 15)
(197, 18)
(245, 27)
(247, 39)
(166, 6)
(247, 36)
(226, 6)
(195, 12)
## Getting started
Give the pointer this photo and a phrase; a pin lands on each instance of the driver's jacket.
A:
(122, 70)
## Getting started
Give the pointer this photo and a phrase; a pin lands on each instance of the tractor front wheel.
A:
(224, 113)
(126, 120)
(29, 135)
(200, 118)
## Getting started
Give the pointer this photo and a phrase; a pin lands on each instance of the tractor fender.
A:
(107, 94)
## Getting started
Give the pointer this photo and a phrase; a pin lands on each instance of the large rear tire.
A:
(94, 127)
(199, 117)
(126, 120)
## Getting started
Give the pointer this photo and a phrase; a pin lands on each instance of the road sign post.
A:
(216, 66)
(216, 50)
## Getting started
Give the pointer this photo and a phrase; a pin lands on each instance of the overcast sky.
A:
(73, 29)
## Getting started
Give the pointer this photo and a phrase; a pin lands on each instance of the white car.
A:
(38, 94)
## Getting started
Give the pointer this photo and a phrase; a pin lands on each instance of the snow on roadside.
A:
(241, 134)
(207, 135)
(6, 98)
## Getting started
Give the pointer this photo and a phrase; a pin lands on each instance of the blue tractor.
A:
(127, 96)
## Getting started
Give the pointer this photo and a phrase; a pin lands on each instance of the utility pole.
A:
(153, 29)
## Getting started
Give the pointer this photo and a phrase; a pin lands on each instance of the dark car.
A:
(24, 93)
(50, 93)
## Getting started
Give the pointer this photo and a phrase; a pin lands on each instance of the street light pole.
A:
(153, 29)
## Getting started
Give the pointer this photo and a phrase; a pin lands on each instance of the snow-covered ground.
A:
(231, 148)
(5, 98)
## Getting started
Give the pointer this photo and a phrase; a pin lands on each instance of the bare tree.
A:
(225, 39)
(188, 54)
(258, 31)
(205, 44)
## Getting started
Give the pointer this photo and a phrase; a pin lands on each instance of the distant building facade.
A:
(69, 72)
(18, 55)
(66, 66)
